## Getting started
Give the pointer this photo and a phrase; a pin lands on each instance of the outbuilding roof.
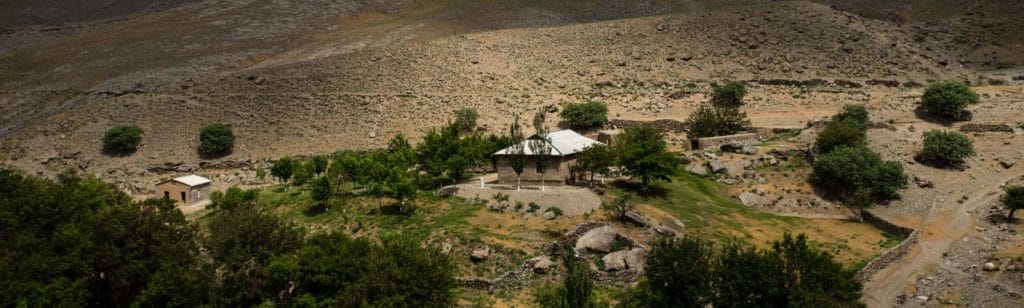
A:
(189, 180)
(563, 142)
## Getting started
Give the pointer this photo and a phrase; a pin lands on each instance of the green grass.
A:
(891, 240)
(705, 210)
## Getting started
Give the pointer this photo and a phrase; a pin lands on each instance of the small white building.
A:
(186, 190)
(564, 145)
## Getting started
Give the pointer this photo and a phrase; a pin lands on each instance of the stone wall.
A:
(714, 143)
(892, 254)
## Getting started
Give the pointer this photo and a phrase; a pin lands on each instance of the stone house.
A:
(186, 190)
(564, 145)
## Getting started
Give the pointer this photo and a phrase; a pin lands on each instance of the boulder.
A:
(636, 219)
(543, 265)
(1006, 163)
(697, 170)
(990, 267)
(730, 181)
(599, 239)
(716, 166)
(549, 215)
(922, 183)
(625, 259)
(748, 199)
(666, 231)
(480, 254)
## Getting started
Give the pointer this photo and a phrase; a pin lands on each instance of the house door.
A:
(167, 195)
(183, 196)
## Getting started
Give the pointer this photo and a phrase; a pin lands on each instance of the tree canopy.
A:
(858, 176)
(711, 121)
(643, 152)
(948, 98)
(122, 139)
(587, 115)
(942, 148)
(216, 140)
(729, 94)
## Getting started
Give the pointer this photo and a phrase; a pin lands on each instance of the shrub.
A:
(858, 176)
(122, 139)
(533, 207)
(711, 121)
(585, 115)
(948, 98)
(946, 148)
(854, 115)
(556, 210)
(839, 134)
(1013, 199)
(729, 94)
(620, 205)
(216, 140)
(466, 118)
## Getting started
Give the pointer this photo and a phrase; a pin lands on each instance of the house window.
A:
(183, 196)
(167, 195)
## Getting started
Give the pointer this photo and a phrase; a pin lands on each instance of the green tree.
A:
(948, 98)
(233, 197)
(540, 145)
(516, 153)
(858, 176)
(585, 115)
(943, 148)
(304, 172)
(729, 94)
(843, 133)
(854, 115)
(678, 273)
(643, 152)
(322, 191)
(711, 121)
(283, 168)
(319, 164)
(439, 153)
(122, 139)
(1013, 199)
(465, 119)
(596, 158)
(216, 140)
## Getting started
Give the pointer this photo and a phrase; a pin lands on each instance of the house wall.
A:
(174, 189)
(713, 143)
(556, 173)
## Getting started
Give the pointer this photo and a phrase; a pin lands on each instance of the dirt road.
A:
(945, 225)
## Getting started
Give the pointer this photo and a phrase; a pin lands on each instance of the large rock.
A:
(599, 239)
(543, 265)
(697, 170)
(716, 166)
(625, 259)
(636, 219)
(990, 267)
(480, 254)
(549, 215)
(749, 199)
(1007, 163)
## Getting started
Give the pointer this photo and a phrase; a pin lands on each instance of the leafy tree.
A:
(322, 191)
(439, 153)
(334, 270)
(643, 152)
(576, 289)
(858, 176)
(283, 169)
(516, 152)
(620, 205)
(854, 115)
(122, 139)
(678, 273)
(540, 145)
(946, 148)
(596, 158)
(216, 140)
(304, 172)
(319, 164)
(232, 198)
(465, 119)
(729, 94)
(1013, 199)
(948, 98)
(241, 242)
(585, 115)
(843, 133)
(711, 121)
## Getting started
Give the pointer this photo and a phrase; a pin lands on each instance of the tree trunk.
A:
(519, 181)
(1010, 216)
(862, 215)
(591, 178)
(643, 183)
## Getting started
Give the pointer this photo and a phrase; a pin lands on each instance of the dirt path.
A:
(944, 226)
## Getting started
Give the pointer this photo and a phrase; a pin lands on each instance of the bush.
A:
(556, 210)
(948, 98)
(946, 148)
(1013, 199)
(858, 176)
(854, 115)
(122, 139)
(216, 140)
(620, 205)
(586, 115)
(711, 121)
(839, 134)
(466, 118)
(729, 94)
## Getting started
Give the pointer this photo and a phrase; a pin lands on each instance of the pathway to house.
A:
(572, 200)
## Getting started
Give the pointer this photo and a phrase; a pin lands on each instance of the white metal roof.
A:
(563, 142)
(192, 180)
